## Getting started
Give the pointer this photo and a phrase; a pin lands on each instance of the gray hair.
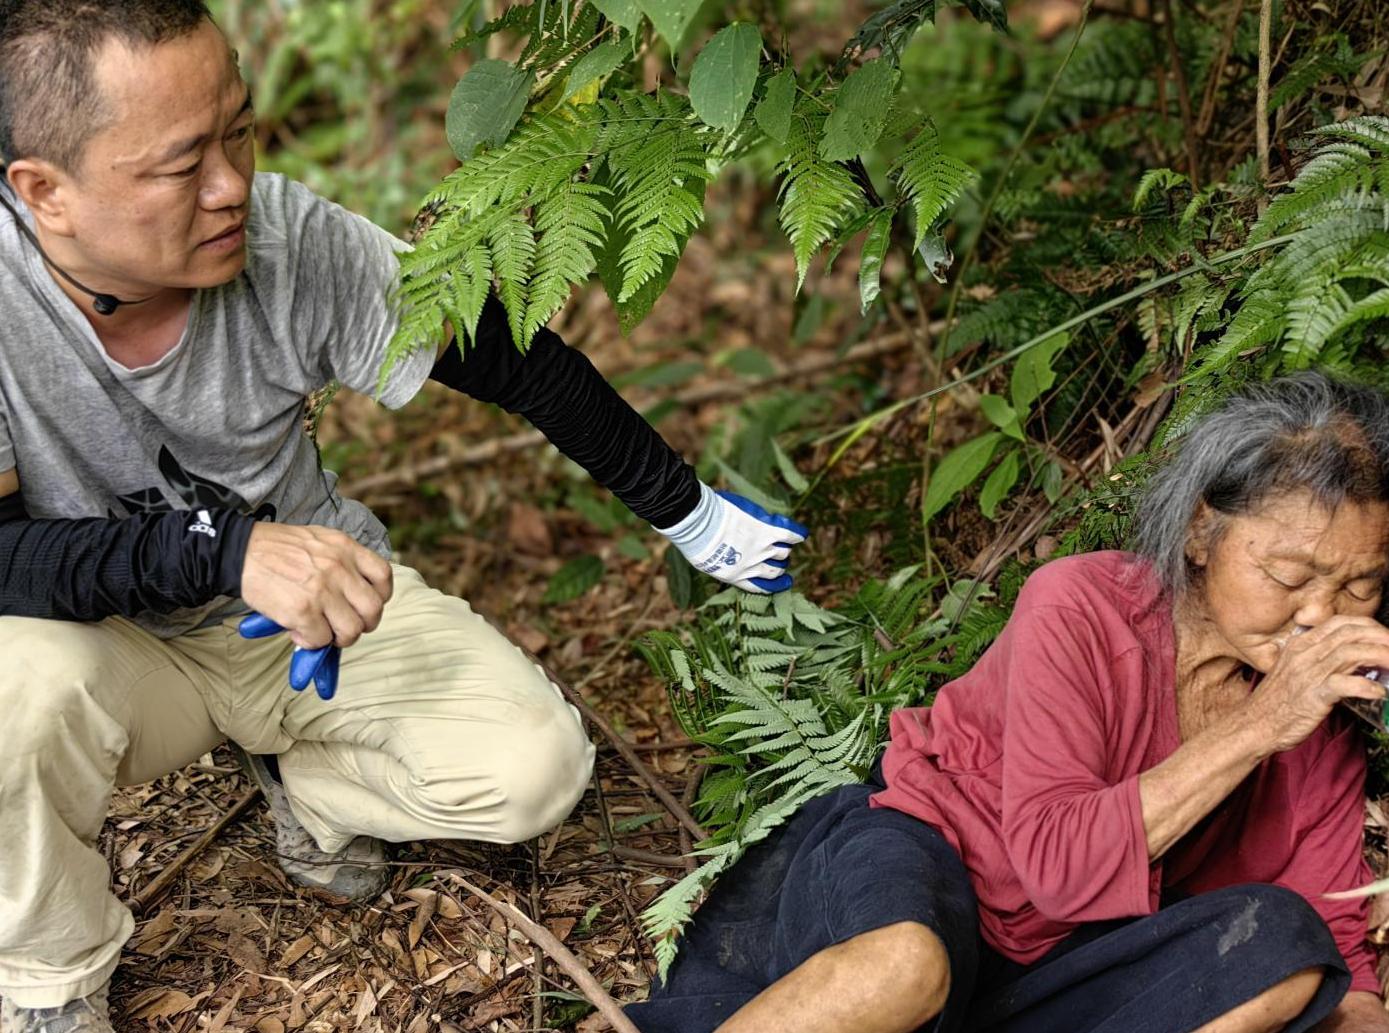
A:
(50, 105)
(1307, 432)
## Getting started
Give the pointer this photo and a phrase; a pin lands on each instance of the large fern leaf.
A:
(571, 224)
(817, 197)
(929, 179)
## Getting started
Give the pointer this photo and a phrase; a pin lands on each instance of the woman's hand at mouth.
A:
(1313, 672)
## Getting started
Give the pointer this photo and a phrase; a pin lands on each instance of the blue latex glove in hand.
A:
(319, 666)
(738, 542)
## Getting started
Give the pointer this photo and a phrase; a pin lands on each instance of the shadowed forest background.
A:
(1062, 241)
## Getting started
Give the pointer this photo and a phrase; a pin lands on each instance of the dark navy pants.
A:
(840, 868)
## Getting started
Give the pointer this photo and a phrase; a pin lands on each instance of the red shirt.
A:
(1029, 766)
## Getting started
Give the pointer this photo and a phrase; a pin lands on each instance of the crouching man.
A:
(167, 312)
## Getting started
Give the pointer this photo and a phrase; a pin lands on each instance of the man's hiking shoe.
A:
(354, 874)
(88, 1014)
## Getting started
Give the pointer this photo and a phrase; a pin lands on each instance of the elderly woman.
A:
(1127, 816)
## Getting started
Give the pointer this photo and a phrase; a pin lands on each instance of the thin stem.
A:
(1261, 99)
(994, 194)
(856, 430)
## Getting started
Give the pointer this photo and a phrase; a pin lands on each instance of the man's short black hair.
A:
(50, 105)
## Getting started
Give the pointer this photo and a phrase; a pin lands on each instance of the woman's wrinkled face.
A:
(1291, 563)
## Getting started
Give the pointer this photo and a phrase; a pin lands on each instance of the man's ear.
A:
(1198, 536)
(42, 187)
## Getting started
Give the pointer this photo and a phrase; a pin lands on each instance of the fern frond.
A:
(512, 241)
(655, 152)
(817, 197)
(929, 179)
(571, 226)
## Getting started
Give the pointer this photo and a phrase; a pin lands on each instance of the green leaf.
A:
(961, 596)
(601, 61)
(625, 13)
(999, 483)
(633, 547)
(574, 579)
(1033, 373)
(957, 471)
(793, 477)
(860, 111)
(486, 105)
(1002, 415)
(725, 75)
(990, 12)
(680, 579)
(1051, 482)
(773, 111)
(870, 267)
(671, 17)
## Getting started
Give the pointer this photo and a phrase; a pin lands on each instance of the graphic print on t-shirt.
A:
(195, 492)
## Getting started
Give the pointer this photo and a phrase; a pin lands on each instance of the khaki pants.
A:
(441, 728)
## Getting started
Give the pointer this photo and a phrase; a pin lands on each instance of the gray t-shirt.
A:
(312, 305)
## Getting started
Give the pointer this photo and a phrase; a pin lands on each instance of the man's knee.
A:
(47, 684)
(542, 778)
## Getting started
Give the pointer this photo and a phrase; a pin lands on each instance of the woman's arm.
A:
(1358, 1012)
(1313, 672)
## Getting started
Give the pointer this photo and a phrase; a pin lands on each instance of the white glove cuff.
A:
(698, 532)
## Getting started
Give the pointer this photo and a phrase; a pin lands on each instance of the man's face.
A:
(161, 195)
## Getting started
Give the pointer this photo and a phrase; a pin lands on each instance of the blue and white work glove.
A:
(319, 666)
(738, 542)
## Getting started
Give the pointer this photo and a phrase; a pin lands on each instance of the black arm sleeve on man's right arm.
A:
(90, 569)
(563, 396)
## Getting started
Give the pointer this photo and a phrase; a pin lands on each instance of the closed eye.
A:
(1364, 592)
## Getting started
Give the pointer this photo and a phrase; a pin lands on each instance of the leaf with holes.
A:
(598, 63)
(625, 13)
(725, 75)
(773, 111)
(860, 111)
(957, 471)
(671, 17)
(486, 105)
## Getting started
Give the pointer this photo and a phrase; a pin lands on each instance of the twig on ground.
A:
(562, 956)
(681, 814)
(631, 853)
(538, 913)
(688, 798)
(160, 884)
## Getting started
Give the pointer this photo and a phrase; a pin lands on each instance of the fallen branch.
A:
(562, 956)
(724, 391)
(160, 884)
(678, 810)
(631, 853)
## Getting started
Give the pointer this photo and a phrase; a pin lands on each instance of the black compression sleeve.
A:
(560, 392)
(90, 569)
